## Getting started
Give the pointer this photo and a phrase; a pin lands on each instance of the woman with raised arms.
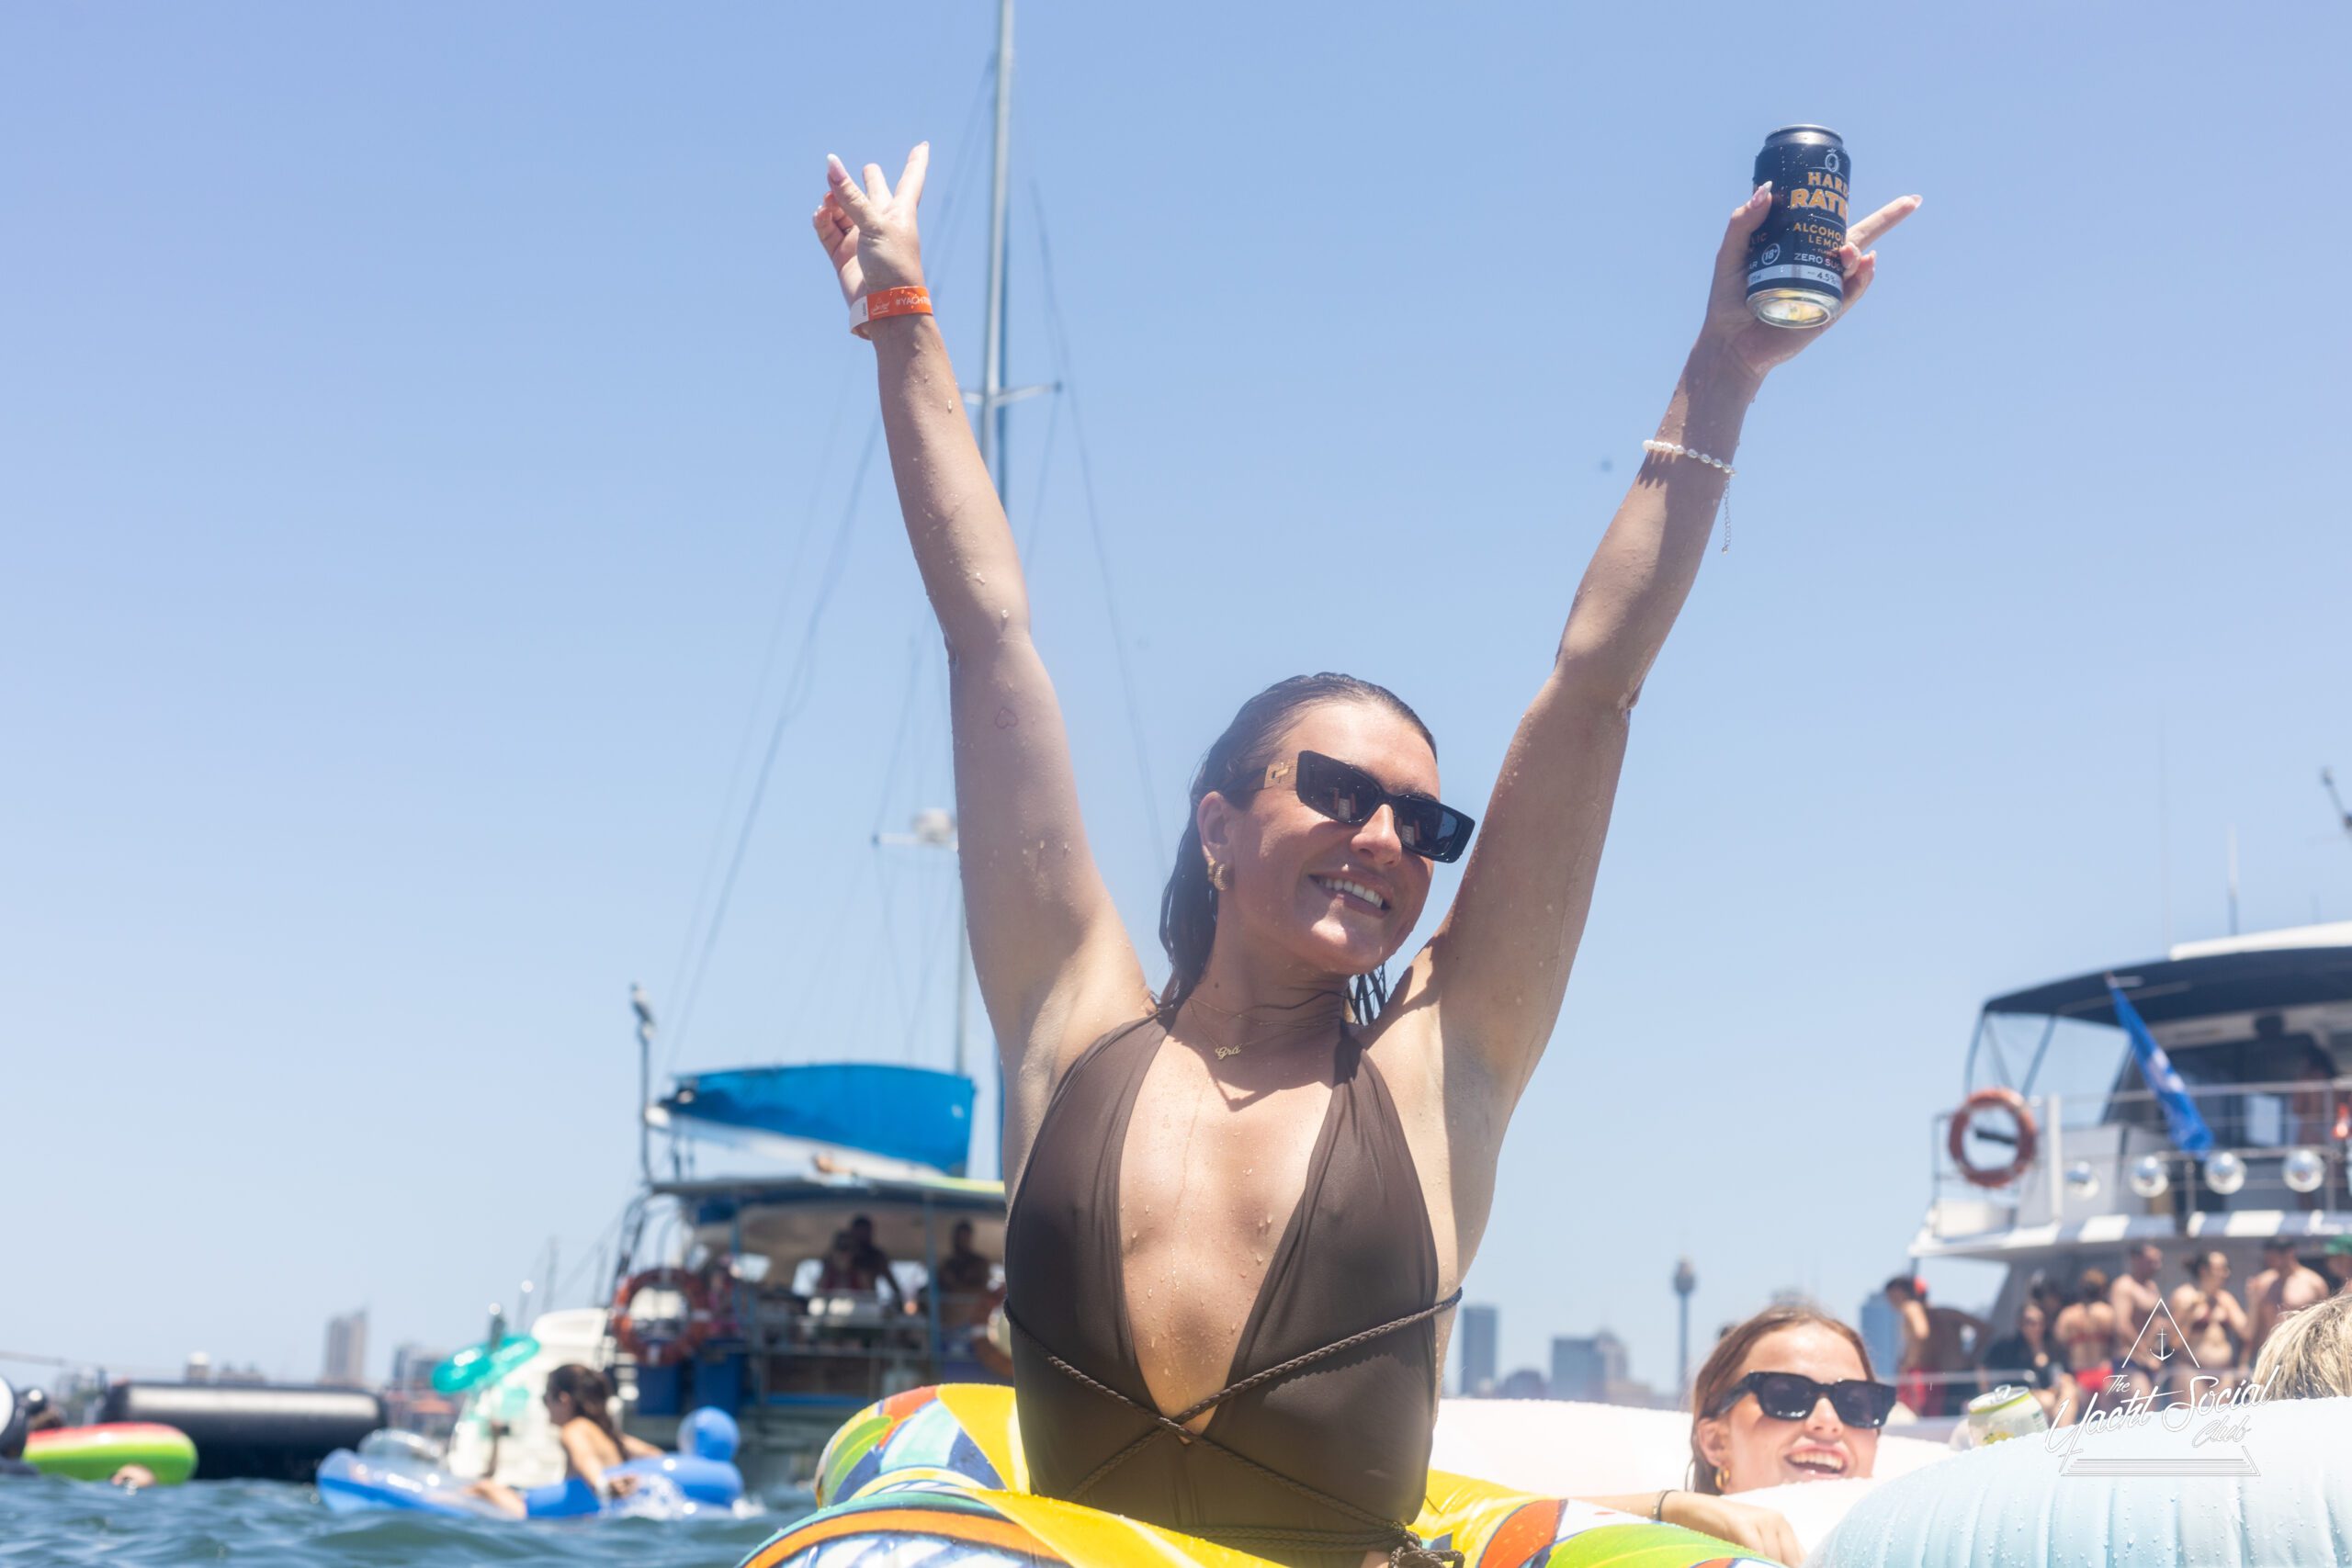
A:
(1243, 1206)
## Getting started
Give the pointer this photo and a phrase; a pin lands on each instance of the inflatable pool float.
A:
(95, 1453)
(486, 1363)
(393, 1469)
(2243, 1486)
(935, 1475)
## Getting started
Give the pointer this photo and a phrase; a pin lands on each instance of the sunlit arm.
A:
(1053, 959)
(1499, 966)
(1500, 962)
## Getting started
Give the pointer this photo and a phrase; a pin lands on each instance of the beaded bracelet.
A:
(1676, 450)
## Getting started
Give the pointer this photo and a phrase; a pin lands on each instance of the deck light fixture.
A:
(2148, 1176)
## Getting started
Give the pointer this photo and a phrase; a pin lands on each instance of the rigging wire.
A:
(758, 702)
(1057, 339)
(949, 210)
(795, 698)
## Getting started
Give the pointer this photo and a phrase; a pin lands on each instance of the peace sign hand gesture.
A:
(869, 230)
(1733, 329)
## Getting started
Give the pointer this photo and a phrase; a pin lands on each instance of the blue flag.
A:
(2188, 1130)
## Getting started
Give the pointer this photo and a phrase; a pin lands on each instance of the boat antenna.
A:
(2327, 782)
(643, 1007)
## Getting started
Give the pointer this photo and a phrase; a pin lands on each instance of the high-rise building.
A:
(1588, 1367)
(1478, 1334)
(347, 1351)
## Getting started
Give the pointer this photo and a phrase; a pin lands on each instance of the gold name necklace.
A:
(1224, 1051)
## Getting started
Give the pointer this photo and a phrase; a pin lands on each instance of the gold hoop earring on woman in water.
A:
(1220, 876)
(1722, 1481)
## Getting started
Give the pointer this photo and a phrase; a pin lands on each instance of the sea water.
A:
(273, 1525)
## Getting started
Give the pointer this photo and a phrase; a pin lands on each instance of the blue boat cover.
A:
(910, 1113)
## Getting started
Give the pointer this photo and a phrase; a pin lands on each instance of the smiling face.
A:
(1331, 899)
(1754, 1450)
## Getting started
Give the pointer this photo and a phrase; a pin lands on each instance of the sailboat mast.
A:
(992, 418)
(992, 399)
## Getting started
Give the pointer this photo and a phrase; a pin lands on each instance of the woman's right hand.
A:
(869, 230)
(1742, 1524)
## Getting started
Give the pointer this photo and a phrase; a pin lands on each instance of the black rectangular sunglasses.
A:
(1346, 793)
(1791, 1396)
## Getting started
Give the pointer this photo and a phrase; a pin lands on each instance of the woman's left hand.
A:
(1733, 329)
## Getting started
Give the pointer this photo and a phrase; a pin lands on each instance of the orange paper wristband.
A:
(886, 302)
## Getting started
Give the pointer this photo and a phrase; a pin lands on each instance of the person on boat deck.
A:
(964, 1279)
(1935, 1359)
(1242, 1205)
(2135, 1295)
(578, 1402)
(871, 1264)
(2286, 1286)
(2337, 1262)
(2085, 1331)
(1786, 1396)
(855, 1265)
(2214, 1321)
(2024, 1357)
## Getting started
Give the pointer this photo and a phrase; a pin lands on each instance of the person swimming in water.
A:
(578, 1402)
(1787, 1396)
(1277, 1164)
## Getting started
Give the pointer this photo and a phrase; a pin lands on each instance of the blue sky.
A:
(415, 423)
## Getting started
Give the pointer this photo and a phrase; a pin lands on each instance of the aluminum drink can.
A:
(2008, 1412)
(1793, 278)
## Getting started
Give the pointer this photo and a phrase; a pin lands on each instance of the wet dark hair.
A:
(1188, 906)
(590, 1394)
(1731, 1352)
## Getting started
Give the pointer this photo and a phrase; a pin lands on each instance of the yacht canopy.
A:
(2246, 975)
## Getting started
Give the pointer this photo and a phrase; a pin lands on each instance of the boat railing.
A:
(2103, 1155)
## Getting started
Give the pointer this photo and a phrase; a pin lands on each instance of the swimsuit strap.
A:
(1405, 1548)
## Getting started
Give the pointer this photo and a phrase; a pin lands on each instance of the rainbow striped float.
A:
(95, 1453)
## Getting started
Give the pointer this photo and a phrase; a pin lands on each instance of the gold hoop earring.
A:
(1722, 1481)
(1220, 876)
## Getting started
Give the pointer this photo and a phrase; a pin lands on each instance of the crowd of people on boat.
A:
(2114, 1338)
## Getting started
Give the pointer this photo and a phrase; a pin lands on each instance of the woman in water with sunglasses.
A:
(1243, 1205)
(1786, 1396)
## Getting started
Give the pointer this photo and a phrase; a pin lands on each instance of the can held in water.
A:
(1793, 278)
(2008, 1412)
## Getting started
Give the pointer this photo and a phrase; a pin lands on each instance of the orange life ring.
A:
(2029, 1137)
(661, 1352)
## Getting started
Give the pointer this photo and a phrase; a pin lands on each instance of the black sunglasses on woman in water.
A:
(1346, 793)
(1791, 1396)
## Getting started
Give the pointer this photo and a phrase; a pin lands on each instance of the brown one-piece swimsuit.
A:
(1318, 1450)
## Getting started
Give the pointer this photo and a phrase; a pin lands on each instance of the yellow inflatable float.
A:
(940, 1470)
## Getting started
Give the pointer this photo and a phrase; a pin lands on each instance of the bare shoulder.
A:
(1454, 1112)
(1090, 1001)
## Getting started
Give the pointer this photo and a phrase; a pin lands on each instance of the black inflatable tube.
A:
(252, 1432)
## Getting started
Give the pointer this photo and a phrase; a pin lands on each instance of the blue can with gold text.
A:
(1794, 277)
